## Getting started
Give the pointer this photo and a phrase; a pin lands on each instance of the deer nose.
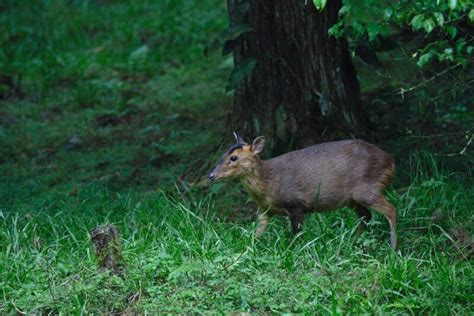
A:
(212, 176)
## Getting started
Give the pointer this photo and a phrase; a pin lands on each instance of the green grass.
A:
(119, 116)
(130, 82)
(185, 255)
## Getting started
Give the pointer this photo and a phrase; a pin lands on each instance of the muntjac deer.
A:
(318, 178)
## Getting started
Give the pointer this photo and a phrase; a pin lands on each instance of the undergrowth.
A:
(184, 255)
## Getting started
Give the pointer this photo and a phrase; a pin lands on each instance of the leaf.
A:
(417, 22)
(236, 30)
(387, 14)
(448, 51)
(452, 31)
(151, 129)
(240, 71)
(471, 15)
(429, 25)
(229, 47)
(139, 54)
(358, 28)
(337, 30)
(320, 4)
(345, 9)
(373, 30)
(447, 54)
(240, 10)
(185, 268)
(424, 59)
(460, 45)
(432, 183)
(439, 18)
(232, 33)
(452, 4)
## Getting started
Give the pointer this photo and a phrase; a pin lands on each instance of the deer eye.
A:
(233, 158)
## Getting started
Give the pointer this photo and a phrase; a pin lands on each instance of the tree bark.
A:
(304, 88)
(108, 249)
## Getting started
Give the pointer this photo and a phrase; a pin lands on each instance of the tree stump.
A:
(108, 249)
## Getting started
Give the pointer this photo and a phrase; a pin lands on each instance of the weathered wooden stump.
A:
(108, 249)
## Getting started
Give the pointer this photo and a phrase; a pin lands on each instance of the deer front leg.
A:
(263, 219)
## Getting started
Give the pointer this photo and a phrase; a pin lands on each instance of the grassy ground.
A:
(183, 256)
(114, 107)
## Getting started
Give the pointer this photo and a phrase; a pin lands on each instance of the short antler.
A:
(239, 139)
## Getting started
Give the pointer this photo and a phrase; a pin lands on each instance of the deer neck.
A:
(256, 184)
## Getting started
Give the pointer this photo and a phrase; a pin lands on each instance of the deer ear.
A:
(239, 139)
(258, 144)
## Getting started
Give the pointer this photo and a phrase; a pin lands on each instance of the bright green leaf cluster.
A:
(320, 4)
(444, 24)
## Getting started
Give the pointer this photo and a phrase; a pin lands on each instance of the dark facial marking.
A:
(232, 148)
(229, 151)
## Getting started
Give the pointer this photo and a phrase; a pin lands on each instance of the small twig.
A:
(17, 309)
(402, 91)
(382, 74)
(452, 240)
(233, 262)
(414, 228)
(462, 152)
(438, 135)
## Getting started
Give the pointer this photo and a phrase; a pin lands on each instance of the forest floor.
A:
(109, 113)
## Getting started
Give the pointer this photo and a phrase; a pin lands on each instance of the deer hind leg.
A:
(381, 205)
(296, 218)
(365, 216)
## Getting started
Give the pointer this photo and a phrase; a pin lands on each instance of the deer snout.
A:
(212, 176)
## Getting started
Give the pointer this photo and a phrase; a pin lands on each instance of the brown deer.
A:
(318, 178)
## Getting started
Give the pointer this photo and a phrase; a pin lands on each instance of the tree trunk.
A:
(304, 88)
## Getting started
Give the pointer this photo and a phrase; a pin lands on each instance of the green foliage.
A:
(226, 38)
(443, 24)
(320, 4)
(110, 92)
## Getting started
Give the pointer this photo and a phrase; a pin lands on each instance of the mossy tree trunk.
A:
(304, 88)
